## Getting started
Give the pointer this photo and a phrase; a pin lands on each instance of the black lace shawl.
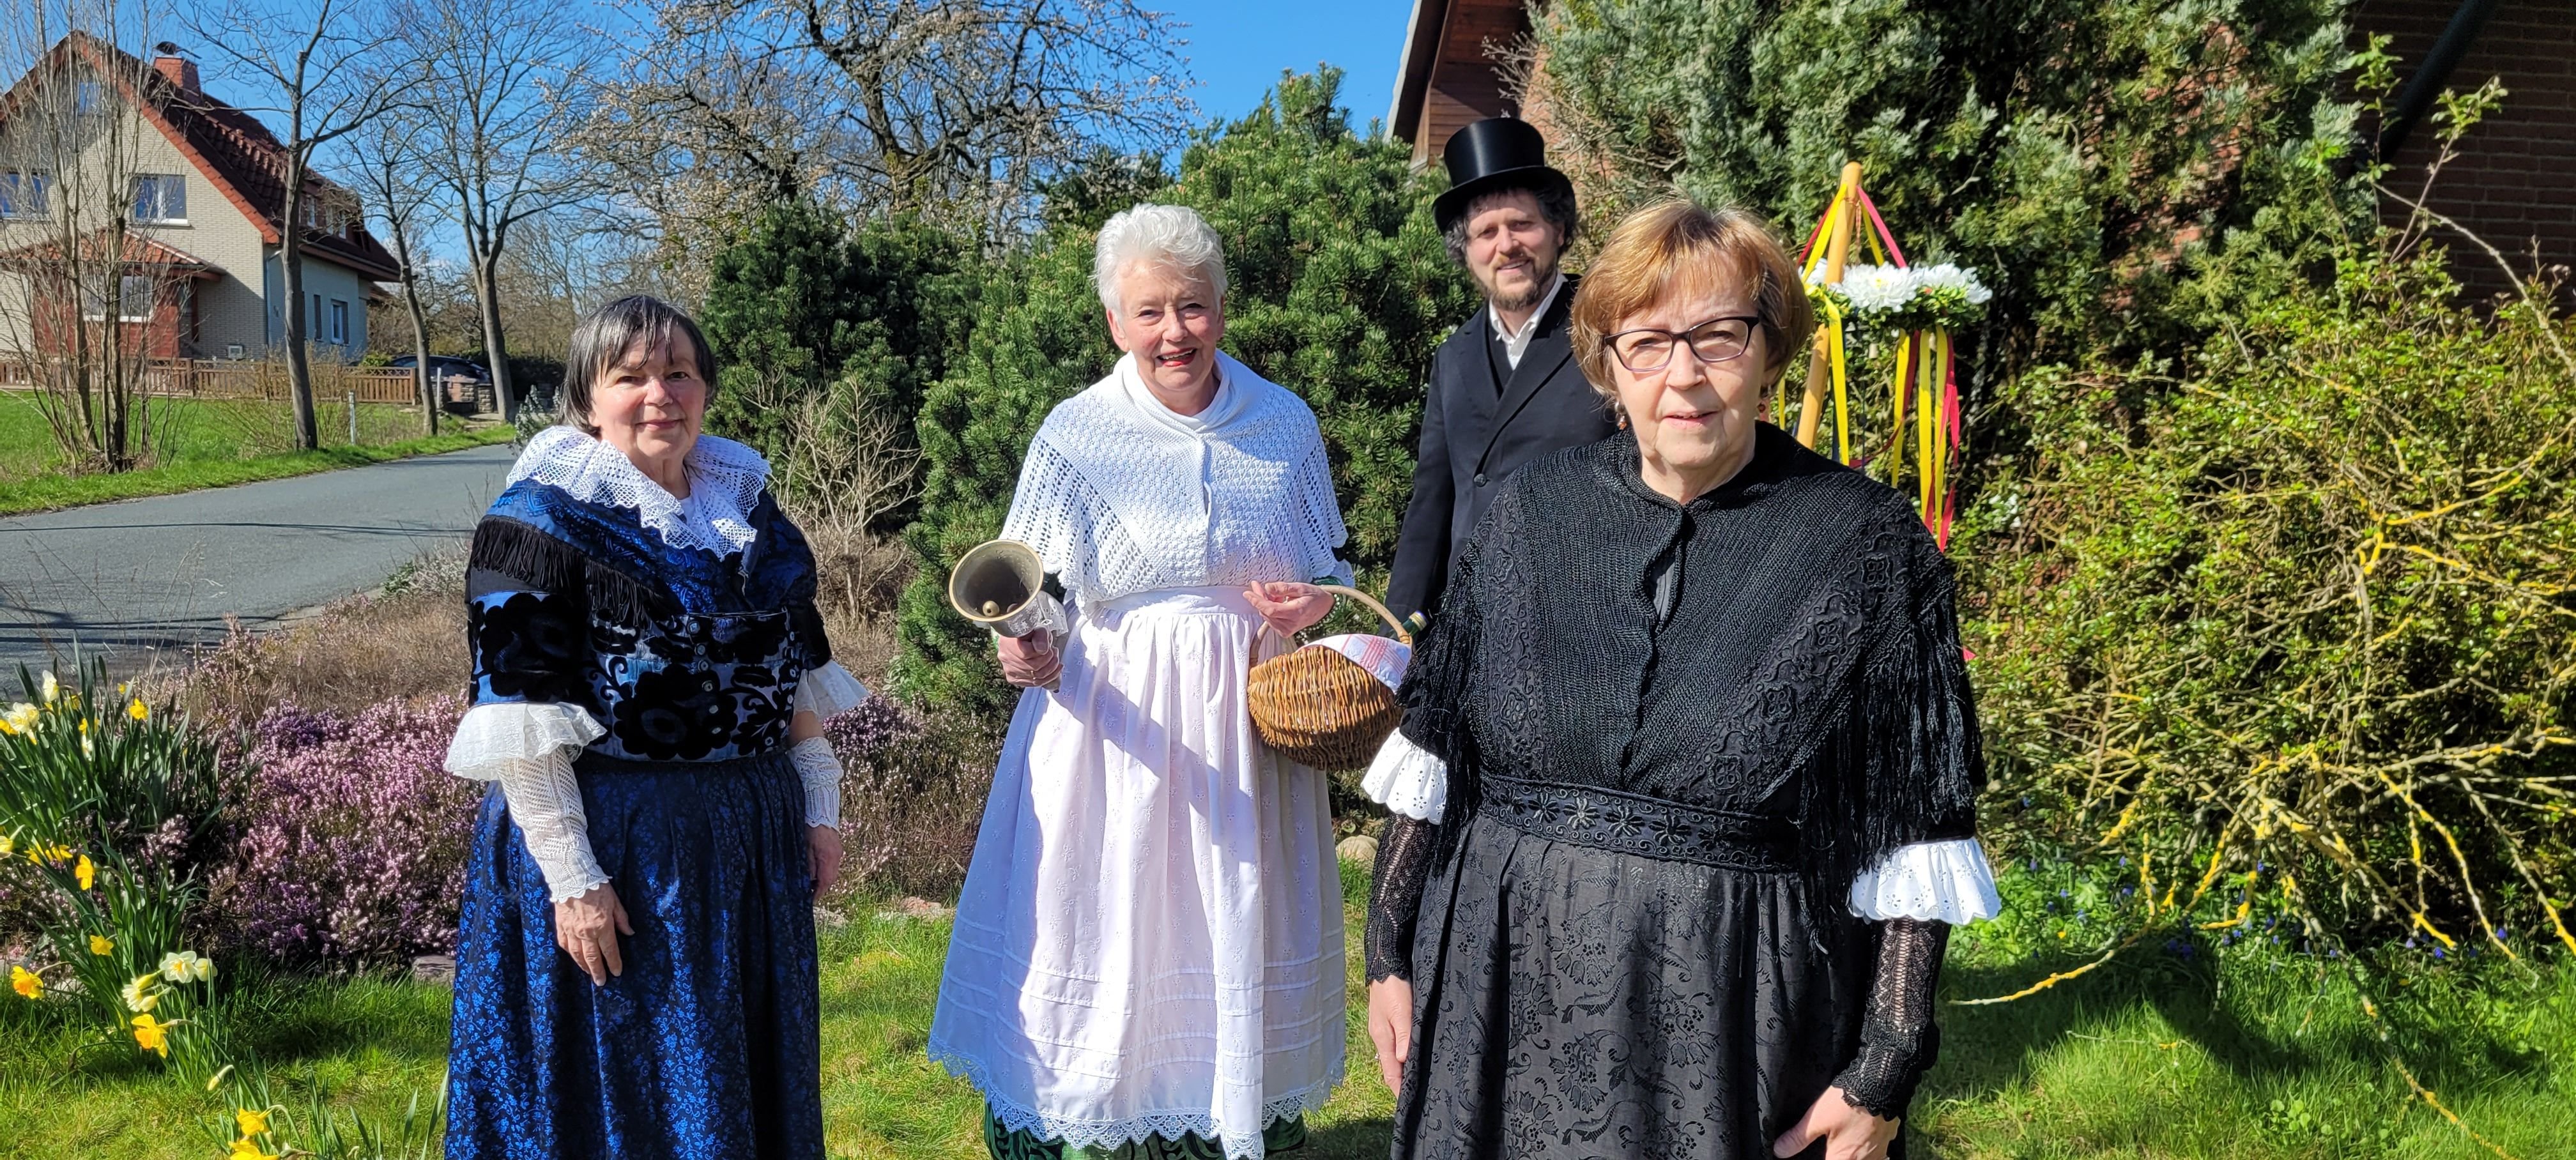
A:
(1809, 669)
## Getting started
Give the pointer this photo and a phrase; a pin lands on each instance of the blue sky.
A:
(1237, 47)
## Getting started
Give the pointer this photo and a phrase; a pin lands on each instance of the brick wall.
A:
(2515, 180)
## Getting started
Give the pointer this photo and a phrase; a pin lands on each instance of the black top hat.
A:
(1493, 154)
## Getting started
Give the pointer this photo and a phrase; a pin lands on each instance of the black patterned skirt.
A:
(1576, 1001)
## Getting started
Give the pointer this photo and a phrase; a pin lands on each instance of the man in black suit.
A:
(1504, 388)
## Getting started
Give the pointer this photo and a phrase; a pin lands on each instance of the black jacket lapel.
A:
(1547, 353)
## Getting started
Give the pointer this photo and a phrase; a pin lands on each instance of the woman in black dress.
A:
(1685, 789)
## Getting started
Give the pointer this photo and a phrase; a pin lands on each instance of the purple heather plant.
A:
(352, 835)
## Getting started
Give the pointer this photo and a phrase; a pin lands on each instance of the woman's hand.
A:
(823, 850)
(1390, 1023)
(1290, 607)
(587, 926)
(1849, 1131)
(1030, 661)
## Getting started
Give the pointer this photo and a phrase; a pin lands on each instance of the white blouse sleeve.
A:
(529, 749)
(1945, 881)
(1408, 780)
(829, 691)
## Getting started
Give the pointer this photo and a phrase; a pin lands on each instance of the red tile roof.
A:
(137, 251)
(235, 152)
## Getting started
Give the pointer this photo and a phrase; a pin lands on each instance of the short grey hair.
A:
(1555, 206)
(602, 338)
(1172, 236)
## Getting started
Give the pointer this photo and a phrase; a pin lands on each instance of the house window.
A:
(339, 323)
(161, 199)
(25, 195)
(134, 294)
(85, 97)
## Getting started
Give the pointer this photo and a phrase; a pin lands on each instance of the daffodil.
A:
(8, 845)
(48, 687)
(137, 711)
(151, 1035)
(139, 997)
(251, 1123)
(21, 718)
(182, 966)
(217, 1080)
(100, 944)
(86, 749)
(86, 873)
(247, 1149)
(25, 982)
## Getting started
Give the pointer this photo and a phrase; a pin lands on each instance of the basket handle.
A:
(1401, 637)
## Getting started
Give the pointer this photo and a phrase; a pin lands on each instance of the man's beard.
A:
(1541, 278)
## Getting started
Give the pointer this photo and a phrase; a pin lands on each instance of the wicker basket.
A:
(1319, 708)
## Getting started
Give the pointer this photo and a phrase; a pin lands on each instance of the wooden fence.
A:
(211, 379)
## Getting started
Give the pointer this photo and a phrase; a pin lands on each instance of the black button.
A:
(1480, 479)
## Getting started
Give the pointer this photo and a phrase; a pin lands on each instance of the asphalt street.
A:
(144, 575)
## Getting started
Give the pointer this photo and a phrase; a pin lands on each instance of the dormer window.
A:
(161, 199)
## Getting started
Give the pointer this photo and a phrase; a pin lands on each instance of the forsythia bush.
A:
(2301, 626)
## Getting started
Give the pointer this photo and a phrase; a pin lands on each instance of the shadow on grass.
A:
(2275, 1022)
(1352, 1140)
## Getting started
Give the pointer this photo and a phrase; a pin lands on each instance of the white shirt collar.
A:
(1516, 343)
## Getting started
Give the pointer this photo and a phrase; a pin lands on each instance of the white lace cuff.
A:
(1945, 881)
(1407, 779)
(491, 735)
(545, 800)
(821, 770)
(829, 691)
(529, 748)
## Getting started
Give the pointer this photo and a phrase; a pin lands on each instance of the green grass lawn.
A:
(2163, 1057)
(213, 443)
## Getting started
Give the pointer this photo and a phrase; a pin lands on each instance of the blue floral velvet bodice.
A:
(679, 653)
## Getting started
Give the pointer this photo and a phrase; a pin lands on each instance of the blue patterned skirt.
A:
(710, 1043)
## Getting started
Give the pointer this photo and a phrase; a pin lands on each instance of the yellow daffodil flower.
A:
(251, 1123)
(137, 710)
(217, 1080)
(100, 944)
(246, 1149)
(48, 687)
(22, 718)
(86, 873)
(8, 845)
(138, 998)
(182, 966)
(25, 982)
(151, 1035)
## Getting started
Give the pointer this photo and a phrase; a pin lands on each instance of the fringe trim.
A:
(1107, 1135)
(529, 555)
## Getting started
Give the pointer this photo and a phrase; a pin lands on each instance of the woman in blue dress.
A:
(635, 970)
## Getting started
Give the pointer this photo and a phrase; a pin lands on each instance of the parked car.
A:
(443, 367)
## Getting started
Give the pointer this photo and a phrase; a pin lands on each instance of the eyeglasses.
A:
(1646, 350)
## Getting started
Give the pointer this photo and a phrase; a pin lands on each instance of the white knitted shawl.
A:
(1119, 495)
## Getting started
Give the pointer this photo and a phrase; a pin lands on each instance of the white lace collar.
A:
(725, 482)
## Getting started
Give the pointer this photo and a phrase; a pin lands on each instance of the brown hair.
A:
(601, 340)
(1679, 247)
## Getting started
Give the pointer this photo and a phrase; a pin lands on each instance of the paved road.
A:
(153, 573)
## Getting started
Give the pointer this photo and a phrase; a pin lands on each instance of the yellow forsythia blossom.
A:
(25, 983)
(100, 944)
(251, 1123)
(152, 1036)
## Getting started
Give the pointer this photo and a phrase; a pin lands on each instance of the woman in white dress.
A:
(1147, 958)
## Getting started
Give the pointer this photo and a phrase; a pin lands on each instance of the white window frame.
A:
(161, 183)
(17, 183)
(94, 302)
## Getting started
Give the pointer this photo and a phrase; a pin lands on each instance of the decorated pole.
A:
(1811, 412)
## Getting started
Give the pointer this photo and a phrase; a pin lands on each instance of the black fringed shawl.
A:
(1808, 671)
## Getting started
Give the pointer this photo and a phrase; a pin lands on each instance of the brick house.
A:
(2514, 183)
(199, 276)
